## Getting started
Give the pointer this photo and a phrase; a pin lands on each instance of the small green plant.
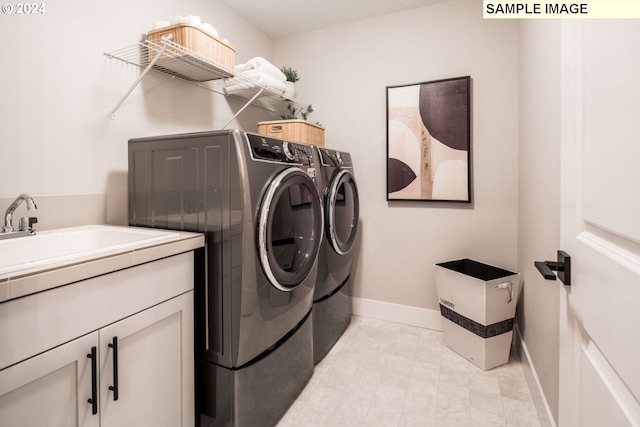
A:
(294, 112)
(290, 74)
(306, 112)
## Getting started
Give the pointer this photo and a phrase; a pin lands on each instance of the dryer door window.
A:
(343, 212)
(290, 229)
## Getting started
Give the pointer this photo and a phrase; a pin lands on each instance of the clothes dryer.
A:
(332, 295)
(255, 200)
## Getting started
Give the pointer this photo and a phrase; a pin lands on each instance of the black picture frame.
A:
(429, 141)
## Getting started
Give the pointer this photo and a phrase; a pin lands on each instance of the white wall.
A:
(539, 200)
(58, 89)
(344, 73)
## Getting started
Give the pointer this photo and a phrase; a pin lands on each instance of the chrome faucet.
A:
(26, 223)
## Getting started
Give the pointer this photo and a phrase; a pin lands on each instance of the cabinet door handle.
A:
(114, 387)
(94, 380)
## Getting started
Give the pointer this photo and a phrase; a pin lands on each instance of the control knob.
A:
(288, 151)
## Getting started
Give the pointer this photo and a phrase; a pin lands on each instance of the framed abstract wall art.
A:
(429, 141)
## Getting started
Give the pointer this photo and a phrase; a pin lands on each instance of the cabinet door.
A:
(51, 389)
(154, 364)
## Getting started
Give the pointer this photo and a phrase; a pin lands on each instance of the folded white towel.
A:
(189, 19)
(209, 29)
(159, 24)
(247, 81)
(193, 20)
(261, 76)
(266, 67)
(178, 20)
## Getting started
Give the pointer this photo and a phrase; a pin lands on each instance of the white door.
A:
(150, 367)
(600, 224)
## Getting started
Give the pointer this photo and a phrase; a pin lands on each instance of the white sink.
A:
(67, 244)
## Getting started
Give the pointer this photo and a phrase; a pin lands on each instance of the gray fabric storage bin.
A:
(478, 306)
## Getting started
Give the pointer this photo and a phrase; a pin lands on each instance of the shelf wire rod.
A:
(241, 99)
(243, 107)
(165, 44)
(125, 56)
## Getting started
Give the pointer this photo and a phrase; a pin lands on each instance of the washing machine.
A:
(256, 201)
(332, 295)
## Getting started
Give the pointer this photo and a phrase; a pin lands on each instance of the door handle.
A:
(562, 266)
(114, 388)
(94, 380)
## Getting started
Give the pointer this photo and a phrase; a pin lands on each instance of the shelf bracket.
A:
(165, 43)
(243, 107)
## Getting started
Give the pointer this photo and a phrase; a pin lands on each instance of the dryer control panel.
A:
(335, 158)
(277, 150)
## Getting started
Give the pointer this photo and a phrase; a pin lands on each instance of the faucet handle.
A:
(26, 223)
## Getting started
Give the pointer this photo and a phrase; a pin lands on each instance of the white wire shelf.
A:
(172, 59)
(177, 61)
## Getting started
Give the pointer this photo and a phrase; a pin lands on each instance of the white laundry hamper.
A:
(478, 306)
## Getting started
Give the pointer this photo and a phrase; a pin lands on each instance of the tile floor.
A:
(387, 374)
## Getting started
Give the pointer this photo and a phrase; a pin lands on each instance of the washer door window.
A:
(290, 229)
(343, 212)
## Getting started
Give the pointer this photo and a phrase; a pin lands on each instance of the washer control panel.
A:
(277, 150)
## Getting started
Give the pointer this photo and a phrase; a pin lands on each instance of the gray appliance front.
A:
(332, 295)
(211, 183)
(342, 215)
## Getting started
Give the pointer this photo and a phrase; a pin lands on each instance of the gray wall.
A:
(345, 70)
(58, 89)
(59, 138)
(539, 199)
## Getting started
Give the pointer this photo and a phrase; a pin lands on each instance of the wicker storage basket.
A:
(196, 40)
(293, 130)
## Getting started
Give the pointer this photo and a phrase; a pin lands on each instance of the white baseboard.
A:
(407, 315)
(544, 412)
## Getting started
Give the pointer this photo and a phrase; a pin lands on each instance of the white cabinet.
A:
(50, 389)
(154, 360)
(154, 367)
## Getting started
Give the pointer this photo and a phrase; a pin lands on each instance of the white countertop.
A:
(64, 268)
